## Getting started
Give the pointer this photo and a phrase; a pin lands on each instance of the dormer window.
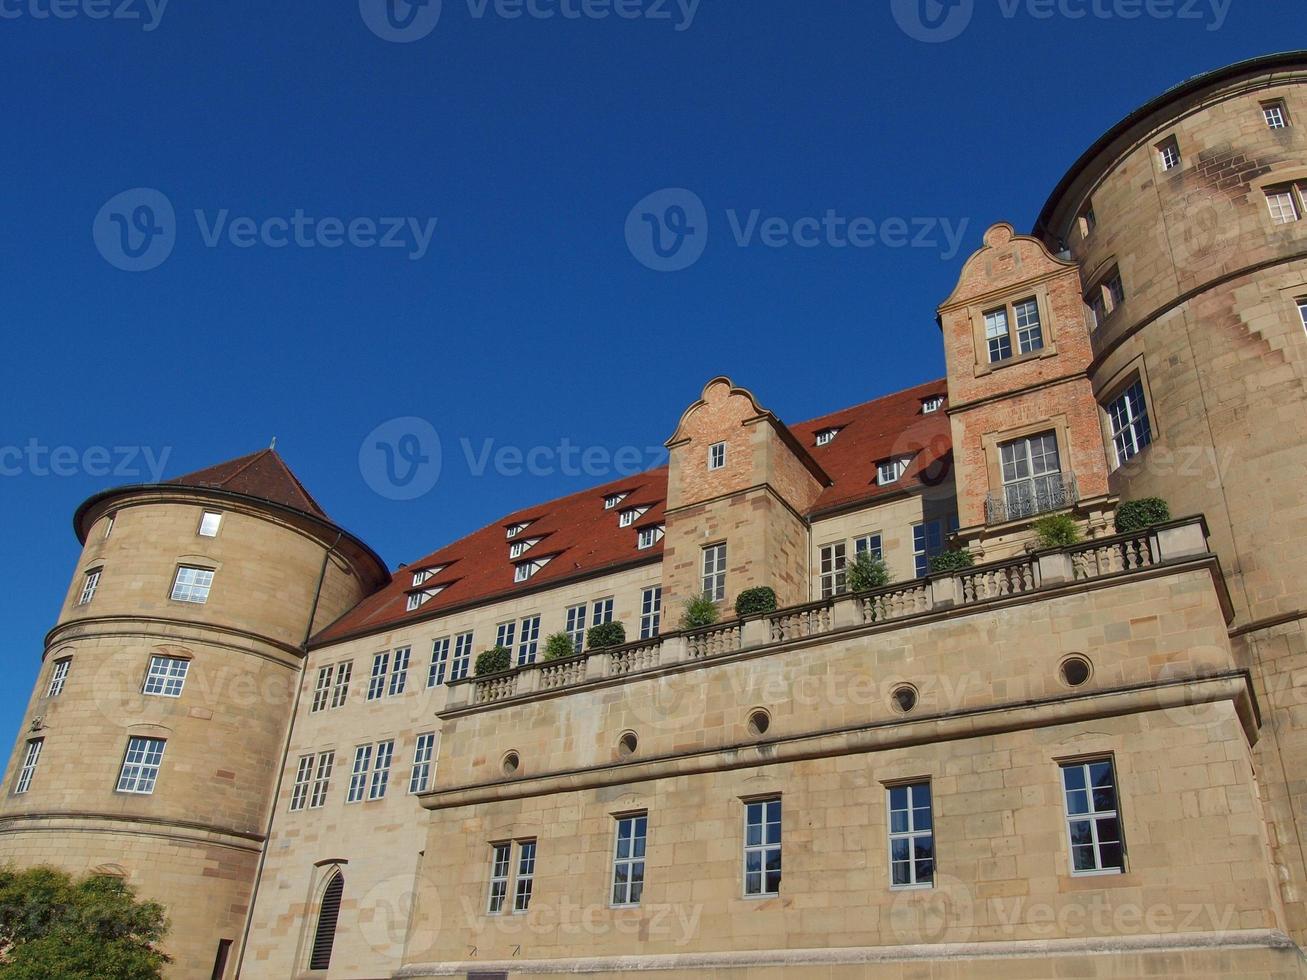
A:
(417, 599)
(890, 470)
(515, 529)
(932, 404)
(518, 548)
(631, 515)
(613, 499)
(826, 436)
(526, 569)
(649, 536)
(426, 574)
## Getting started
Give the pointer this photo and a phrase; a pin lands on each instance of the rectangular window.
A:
(716, 455)
(322, 779)
(526, 872)
(931, 405)
(31, 757)
(1030, 334)
(1088, 220)
(1032, 476)
(628, 859)
(358, 779)
(462, 661)
(927, 542)
(210, 523)
(1093, 821)
(1168, 152)
(340, 691)
(381, 769)
(439, 662)
(833, 561)
(613, 499)
(1128, 416)
(141, 765)
(826, 436)
(504, 635)
(602, 611)
(415, 601)
(421, 775)
(192, 584)
(500, 856)
(1286, 202)
(322, 689)
(399, 672)
(1115, 289)
(891, 470)
(58, 676)
(651, 612)
(649, 536)
(714, 572)
(997, 335)
(528, 641)
(89, 585)
(166, 676)
(576, 625)
(299, 794)
(108, 525)
(868, 544)
(1302, 312)
(762, 847)
(1275, 114)
(377, 682)
(629, 517)
(911, 836)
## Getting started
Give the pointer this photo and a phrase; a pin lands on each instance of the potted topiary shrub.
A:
(559, 646)
(606, 635)
(494, 661)
(1057, 531)
(1135, 515)
(750, 602)
(952, 561)
(866, 571)
(699, 611)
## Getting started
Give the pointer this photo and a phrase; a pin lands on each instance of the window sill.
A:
(912, 888)
(989, 367)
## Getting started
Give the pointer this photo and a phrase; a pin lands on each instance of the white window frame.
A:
(649, 536)
(439, 668)
(505, 634)
(322, 780)
(322, 689)
(527, 569)
(420, 776)
(58, 677)
(166, 676)
(923, 549)
(833, 568)
(931, 405)
(872, 544)
(380, 673)
(1302, 311)
(601, 611)
(1092, 816)
(299, 793)
(575, 628)
(524, 885)
(633, 830)
(511, 877)
(528, 640)
(192, 584)
(613, 499)
(461, 663)
(1169, 155)
(501, 866)
(382, 757)
(1287, 202)
(1129, 423)
(631, 515)
(826, 436)
(910, 831)
(108, 524)
(1275, 114)
(891, 470)
(399, 662)
(713, 566)
(519, 548)
(340, 687)
(651, 612)
(717, 456)
(141, 764)
(513, 530)
(358, 777)
(763, 846)
(210, 523)
(89, 584)
(31, 759)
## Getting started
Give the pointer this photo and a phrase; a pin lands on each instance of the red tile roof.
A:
(264, 475)
(584, 538)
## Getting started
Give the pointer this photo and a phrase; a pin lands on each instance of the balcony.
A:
(1030, 498)
(903, 603)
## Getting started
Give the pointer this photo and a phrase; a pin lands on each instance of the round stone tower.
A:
(1189, 223)
(154, 738)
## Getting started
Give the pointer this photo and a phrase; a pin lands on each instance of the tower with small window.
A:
(1026, 433)
(154, 736)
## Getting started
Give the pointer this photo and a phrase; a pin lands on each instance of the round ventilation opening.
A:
(904, 698)
(759, 722)
(512, 763)
(627, 745)
(1075, 671)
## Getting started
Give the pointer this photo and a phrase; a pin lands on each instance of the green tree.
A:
(91, 928)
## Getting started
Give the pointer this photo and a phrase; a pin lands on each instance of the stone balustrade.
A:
(1062, 568)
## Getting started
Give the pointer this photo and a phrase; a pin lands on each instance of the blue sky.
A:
(521, 319)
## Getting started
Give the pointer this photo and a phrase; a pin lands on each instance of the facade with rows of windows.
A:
(1075, 757)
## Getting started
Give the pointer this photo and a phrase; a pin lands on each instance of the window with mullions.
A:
(762, 847)
(602, 612)
(141, 765)
(528, 641)
(192, 584)
(501, 868)
(651, 612)
(420, 777)
(1001, 337)
(1128, 416)
(576, 625)
(399, 672)
(911, 836)
(166, 676)
(505, 634)
(833, 571)
(628, 859)
(462, 662)
(1093, 820)
(714, 572)
(31, 756)
(439, 662)
(380, 669)
(58, 677)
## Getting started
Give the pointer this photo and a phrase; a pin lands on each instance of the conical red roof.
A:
(264, 475)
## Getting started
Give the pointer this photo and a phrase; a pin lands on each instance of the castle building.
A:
(1077, 757)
